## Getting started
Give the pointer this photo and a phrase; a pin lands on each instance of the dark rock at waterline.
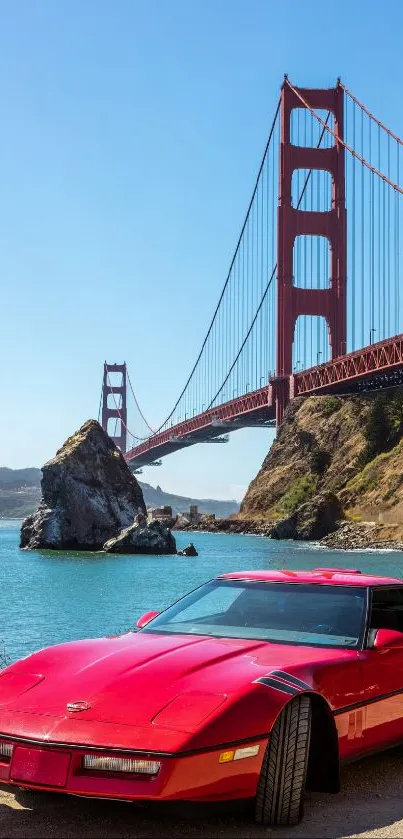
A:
(361, 536)
(312, 520)
(88, 495)
(142, 538)
(190, 550)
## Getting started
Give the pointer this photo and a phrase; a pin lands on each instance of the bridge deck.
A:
(252, 409)
(378, 362)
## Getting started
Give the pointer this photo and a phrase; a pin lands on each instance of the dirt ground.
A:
(370, 804)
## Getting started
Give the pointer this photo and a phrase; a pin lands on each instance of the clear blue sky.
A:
(130, 136)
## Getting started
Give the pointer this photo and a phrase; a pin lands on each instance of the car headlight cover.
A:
(6, 750)
(121, 764)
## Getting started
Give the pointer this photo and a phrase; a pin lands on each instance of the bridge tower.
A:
(293, 301)
(118, 410)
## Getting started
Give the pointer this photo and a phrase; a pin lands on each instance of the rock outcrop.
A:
(190, 550)
(317, 450)
(311, 521)
(142, 538)
(363, 536)
(88, 495)
(351, 447)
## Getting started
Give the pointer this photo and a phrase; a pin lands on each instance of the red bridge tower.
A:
(293, 301)
(118, 410)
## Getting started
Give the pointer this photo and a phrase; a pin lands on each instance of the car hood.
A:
(142, 679)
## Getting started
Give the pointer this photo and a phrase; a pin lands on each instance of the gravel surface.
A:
(370, 804)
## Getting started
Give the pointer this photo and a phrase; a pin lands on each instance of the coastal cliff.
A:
(335, 468)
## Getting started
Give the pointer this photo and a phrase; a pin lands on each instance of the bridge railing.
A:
(215, 417)
(376, 358)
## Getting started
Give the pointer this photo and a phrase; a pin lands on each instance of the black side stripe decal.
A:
(292, 679)
(277, 685)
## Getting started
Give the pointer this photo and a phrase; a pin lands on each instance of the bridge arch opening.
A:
(115, 378)
(114, 401)
(114, 428)
(311, 262)
(311, 344)
(308, 132)
(311, 190)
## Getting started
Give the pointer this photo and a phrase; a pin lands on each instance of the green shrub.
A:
(384, 426)
(377, 431)
(330, 405)
(301, 490)
(396, 415)
(367, 479)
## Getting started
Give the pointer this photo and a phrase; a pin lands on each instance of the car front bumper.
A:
(193, 777)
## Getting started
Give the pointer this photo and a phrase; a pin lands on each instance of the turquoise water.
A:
(48, 597)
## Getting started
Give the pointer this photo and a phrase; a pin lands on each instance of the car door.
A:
(382, 672)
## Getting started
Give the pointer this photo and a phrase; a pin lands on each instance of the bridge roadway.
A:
(376, 366)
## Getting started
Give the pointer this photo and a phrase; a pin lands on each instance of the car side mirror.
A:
(387, 638)
(146, 618)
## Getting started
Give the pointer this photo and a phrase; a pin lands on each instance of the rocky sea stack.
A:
(143, 538)
(89, 496)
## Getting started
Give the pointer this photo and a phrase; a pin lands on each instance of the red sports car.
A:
(254, 685)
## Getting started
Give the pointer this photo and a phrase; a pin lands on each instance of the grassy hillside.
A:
(352, 446)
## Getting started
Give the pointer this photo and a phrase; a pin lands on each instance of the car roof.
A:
(320, 576)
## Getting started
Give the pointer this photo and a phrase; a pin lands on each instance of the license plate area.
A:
(49, 767)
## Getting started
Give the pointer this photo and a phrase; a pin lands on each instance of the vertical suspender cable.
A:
(388, 220)
(380, 332)
(363, 295)
(397, 269)
(353, 283)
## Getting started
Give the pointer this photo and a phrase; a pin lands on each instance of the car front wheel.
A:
(281, 786)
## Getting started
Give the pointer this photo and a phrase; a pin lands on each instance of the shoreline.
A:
(348, 536)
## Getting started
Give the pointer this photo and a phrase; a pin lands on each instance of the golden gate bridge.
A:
(311, 302)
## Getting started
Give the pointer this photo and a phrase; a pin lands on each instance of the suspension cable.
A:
(245, 339)
(342, 142)
(268, 285)
(304, 188)
(138, 406)
(228, 275)
(270, 279)
(369, 114)
(100, 401)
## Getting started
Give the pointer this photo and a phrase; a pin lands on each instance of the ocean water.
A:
(48, 597)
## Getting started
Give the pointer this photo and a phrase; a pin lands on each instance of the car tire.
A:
(281, 786)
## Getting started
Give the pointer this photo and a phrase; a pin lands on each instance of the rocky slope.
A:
(347, 449)
(88, 495)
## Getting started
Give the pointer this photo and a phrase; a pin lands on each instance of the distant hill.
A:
(179, 503)
(20, 495)
(19, 492)
(17, 478)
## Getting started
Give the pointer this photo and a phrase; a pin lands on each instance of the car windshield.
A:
(319, 615)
